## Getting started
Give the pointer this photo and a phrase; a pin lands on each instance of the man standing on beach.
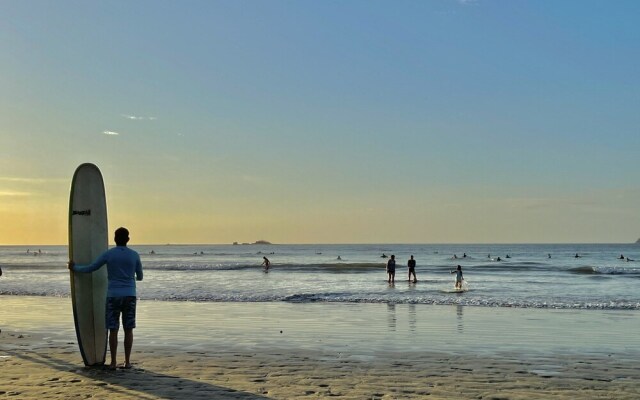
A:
(123, 269)
(411, 264)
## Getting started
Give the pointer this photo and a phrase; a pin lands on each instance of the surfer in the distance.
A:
(459, 278)
(123, 269)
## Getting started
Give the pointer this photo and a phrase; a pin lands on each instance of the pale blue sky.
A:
(325, 121)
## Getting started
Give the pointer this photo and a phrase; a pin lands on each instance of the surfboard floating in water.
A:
(88, 238)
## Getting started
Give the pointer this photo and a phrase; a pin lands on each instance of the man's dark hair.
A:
(121, 236)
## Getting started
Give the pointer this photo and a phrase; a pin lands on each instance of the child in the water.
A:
(459, 277)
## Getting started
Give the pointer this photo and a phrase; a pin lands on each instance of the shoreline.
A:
(284, 351)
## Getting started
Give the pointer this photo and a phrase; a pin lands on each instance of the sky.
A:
(443, 121)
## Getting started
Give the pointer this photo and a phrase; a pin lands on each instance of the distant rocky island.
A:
(638, 241)
(256, 242)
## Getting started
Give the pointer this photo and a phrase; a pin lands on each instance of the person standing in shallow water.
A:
(459, 277)
(411, 264)
(266, 264)
(391, 269)
(123, 269)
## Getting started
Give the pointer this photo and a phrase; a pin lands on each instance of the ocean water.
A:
(527, 276)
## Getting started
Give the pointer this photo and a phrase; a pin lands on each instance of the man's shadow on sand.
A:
(140, 380)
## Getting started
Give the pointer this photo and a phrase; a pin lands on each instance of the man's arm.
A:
(99, 262)
(138, 269)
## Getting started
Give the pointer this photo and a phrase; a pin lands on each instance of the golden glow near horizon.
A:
(38, 216)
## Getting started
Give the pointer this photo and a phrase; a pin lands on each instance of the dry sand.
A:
(39, 359)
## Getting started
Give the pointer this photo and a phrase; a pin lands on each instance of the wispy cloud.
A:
(13, 194)
(30, 180)
(138, 117)
(467, 2)
(546, 203)
(110, 133)
(252, 179)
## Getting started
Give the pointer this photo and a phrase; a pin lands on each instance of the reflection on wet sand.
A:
(413, 319)
(392, 320)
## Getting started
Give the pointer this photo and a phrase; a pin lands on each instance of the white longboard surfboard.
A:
(88, 238)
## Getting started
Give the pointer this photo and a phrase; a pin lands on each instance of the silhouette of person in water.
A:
(411, 264)
(577, 256)
(621, 257)
(459, 278)
(391, 269)
(266, 263)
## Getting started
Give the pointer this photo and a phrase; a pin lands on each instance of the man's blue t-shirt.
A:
(123, 269)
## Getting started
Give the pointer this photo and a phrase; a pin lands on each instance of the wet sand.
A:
(353, 351)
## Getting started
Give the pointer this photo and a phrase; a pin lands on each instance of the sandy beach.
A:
(352, 351)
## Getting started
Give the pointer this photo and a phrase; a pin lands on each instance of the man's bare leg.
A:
(128, 344)
(113, 346)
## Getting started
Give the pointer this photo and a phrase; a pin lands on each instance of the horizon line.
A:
(342, 244)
